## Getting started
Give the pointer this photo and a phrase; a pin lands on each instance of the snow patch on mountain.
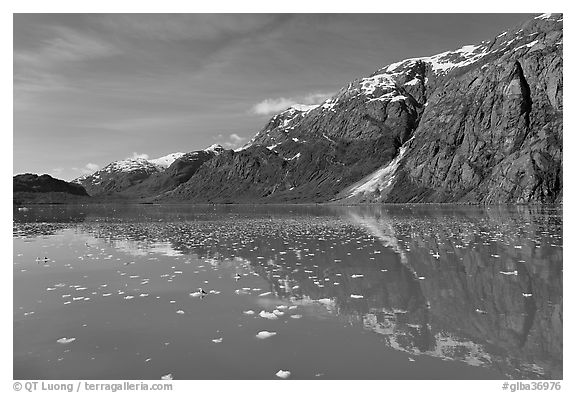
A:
(381, 179)
(215, 148)
(167, 160)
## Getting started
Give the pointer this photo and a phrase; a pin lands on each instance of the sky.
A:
(90, 89)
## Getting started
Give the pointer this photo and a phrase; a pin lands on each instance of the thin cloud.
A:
(88, 169)
(275, 105)
(170, 27)
(66, 45)
(139, 155)
(231, 141)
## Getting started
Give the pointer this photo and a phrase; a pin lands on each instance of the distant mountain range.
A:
(480, 124)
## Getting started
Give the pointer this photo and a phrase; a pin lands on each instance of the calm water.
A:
(395, 292)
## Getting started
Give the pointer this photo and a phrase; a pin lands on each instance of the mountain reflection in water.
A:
(477, 285)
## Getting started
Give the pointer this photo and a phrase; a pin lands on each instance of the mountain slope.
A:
(481, 124)
(120, 175)
(31, 188)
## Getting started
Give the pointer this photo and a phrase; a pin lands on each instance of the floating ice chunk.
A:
(143, 295)
(283, 374)
(265, 294)
(65, 340)
(265, 334)
(282, 307)
(214, 292)
(106, 294)
(356, 296)
(513, 273)
(278, 313)
(128, 297)
(357, 275)
(167, 377)
(180, 312)
(527, 294)
(249, 312)
(292, 307)
(296, 316)
(481, 311)
(411, 360)
(217, 340)
(268, 315)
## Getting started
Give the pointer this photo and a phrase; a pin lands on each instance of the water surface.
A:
(375, 292)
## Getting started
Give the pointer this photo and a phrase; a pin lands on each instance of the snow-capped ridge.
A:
(166, 160)
(215, 148)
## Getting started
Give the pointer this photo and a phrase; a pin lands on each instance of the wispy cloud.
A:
(65, 45)
(170, 27)
(275, 105)
(231, 141)
(87, 169)
(139, 155)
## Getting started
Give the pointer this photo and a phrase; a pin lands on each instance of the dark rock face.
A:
(177, 173)
(482, 124)
(42, 184)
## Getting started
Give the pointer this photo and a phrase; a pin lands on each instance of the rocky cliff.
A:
(481, 124)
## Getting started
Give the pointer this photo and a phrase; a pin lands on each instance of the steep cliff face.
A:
(481, 124)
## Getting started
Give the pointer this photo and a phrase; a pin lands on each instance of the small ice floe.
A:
(65, 340)
(214, 292)
(265, 334)
(357, 275)
(143, 295)
(128, 297)
(106, 294)
(147, 360)
(292, 307)
(180, 312)
(265, 294)
(268, 315)
(495, 256)
(421, 278)
(199, 293)
(517, 246)
(278, 313)
(356, 296)
(217, 340)
(296, 316)
(167, 377)
(249, 312)
(283, 374)
(481, 311)
(527, 294)
(282, 307)
(513, 273)
(411, 360)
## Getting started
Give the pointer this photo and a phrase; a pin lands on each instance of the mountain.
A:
(119, 175)
(139, 177)
(480, 124)
(31, 188)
